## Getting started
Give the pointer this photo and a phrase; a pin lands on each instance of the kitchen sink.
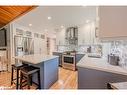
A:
(94, 55)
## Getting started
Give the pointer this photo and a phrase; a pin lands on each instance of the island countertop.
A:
(35, 58)
(119, 85)
(100, 64)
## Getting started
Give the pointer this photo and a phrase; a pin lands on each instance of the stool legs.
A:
(17, 79)
(109, 86)
(12, 72)
(39, 82)
(21, 80)
(28, 82)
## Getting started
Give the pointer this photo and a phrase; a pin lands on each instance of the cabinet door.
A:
(113, 21)
(86, 34)
(39, 46)
(94, 39)
(81, 36)
(36, 46)
(60, 37)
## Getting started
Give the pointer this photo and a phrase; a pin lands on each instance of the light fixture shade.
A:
(49, 17)
(30, 24)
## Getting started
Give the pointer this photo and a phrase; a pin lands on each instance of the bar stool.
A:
(16, 67)
(26, 75)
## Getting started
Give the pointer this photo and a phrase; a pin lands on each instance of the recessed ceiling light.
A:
(49, 17)
(62, 26)
(30, 24)
(84, 6)
(46, 30)
(87, 21)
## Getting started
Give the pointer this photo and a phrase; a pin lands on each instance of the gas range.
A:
(69, 60)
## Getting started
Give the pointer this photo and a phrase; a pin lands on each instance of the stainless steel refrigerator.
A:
(23, 45)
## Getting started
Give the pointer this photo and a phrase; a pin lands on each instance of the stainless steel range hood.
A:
(72, 35)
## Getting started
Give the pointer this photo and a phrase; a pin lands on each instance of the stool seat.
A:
(16, 66)
(29, 70)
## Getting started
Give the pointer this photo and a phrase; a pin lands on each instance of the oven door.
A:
(68, 59)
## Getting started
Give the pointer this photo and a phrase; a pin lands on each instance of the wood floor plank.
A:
(67, 80)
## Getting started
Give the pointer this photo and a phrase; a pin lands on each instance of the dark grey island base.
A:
(48, 73)
(95, 79)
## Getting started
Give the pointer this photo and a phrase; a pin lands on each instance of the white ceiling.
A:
(61, 15)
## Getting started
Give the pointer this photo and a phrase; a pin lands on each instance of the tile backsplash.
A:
(66, 47)
(119, 48)
(80, 48)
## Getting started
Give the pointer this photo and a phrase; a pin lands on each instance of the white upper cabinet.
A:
(86, 34)
(112, 22)
(39, 45)
(60, 37)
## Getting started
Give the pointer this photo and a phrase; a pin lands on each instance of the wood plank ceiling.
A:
(9, 13)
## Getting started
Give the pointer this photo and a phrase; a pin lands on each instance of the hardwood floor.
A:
(5, 78)
(67, 80)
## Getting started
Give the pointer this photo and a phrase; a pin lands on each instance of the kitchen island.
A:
(96, 73)
(48, 65)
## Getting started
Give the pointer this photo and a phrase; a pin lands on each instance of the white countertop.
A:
(35, 58)
(80, 53)
(64, 51)
(59, 51)
(100, 64)
(119, 85)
